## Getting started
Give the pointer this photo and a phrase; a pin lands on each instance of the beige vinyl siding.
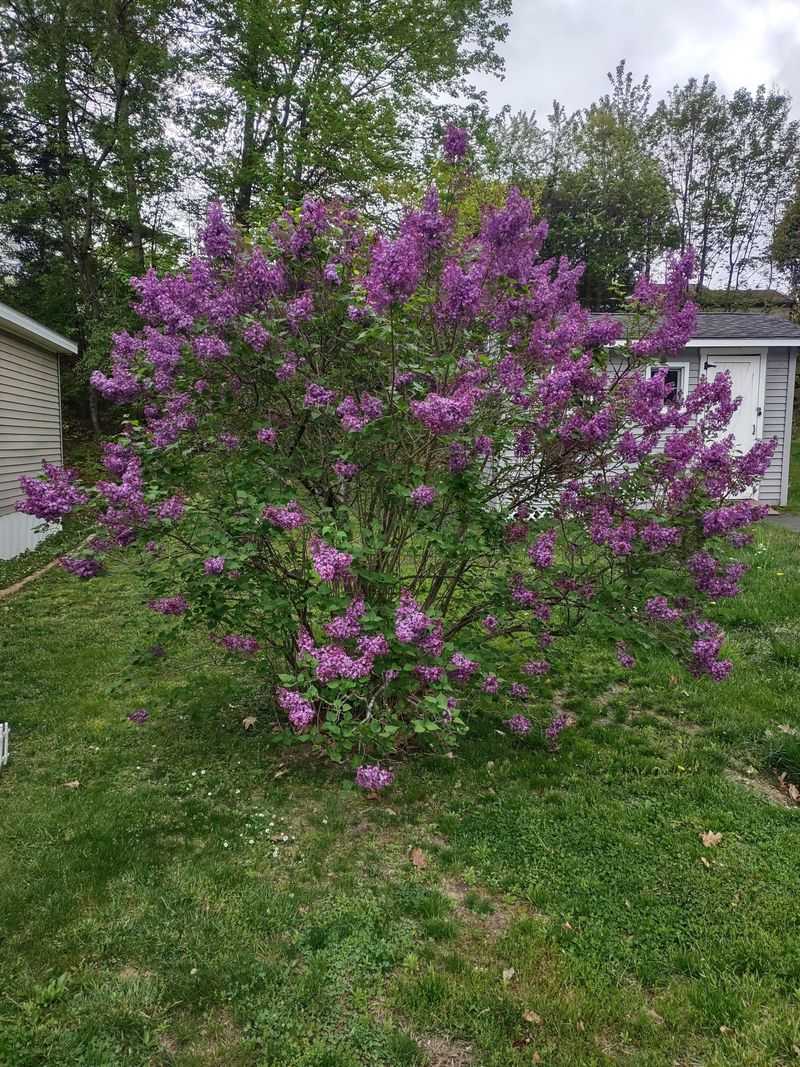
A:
(30, 414)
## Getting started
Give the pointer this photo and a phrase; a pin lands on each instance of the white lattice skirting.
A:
(20, 532)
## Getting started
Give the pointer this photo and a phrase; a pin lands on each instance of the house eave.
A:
(743, 342)
(19, 325)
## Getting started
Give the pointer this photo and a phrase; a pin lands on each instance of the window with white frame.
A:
(677, 378)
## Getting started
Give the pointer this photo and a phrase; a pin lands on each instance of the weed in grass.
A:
(783, 756)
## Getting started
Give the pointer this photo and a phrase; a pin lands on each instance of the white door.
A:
(746, 377)
(745, 372)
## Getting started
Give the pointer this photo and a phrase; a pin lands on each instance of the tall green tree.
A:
(327, 96)
(604, 192)
(612, 211)
(763, 148)
(730, 164)
(87, 161)
(786, 245)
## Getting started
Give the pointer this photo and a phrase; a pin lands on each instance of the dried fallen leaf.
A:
(794, 792)
(567, 926)
(710, 839)
(74, 784)
(785, 728)
(508, 974)
(536, 1058)
(533, 1017)
(249, 722)
(580, 1025)
(280, 774)
(705, 862)
(419, 859)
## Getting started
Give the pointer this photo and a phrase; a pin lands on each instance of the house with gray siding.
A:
(760, 354)
(30, 418)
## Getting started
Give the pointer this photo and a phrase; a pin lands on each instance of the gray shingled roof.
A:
(733, 326)
(736, 325)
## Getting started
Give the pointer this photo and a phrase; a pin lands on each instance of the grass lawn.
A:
(794, 476)
(201, 899)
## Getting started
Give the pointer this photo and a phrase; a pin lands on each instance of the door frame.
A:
(707, 355)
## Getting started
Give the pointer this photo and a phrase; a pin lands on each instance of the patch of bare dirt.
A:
(684, 726)
(445, 1052)
(219, 1041)
(493, 923)
(768, 789)
(167, 1044)
(129, 973)
(610, 694)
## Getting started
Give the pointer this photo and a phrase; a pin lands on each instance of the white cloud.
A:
(562, 48)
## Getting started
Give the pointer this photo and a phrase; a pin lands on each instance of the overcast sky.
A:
(562, 48)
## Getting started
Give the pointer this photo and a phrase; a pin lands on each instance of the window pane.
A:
(674, 382)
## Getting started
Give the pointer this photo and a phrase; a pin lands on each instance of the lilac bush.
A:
(400, 470)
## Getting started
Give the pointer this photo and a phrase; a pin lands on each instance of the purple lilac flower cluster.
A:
(710, 580)
(239, 642)
(347, 624)
(554, 729)
(624, 657)
(455, 143)
(519, 724)
(169, 605)
(329, 563)
(266, 436)
(461, 668)
(172, 508)
(356, 414)
(395, 271)
(413, 627)
(299, 711)
(429, 675)
(536, 667)
(286, 517)
(658, 610)
(317, 396)
(53, 496)
(542, 552)
(344, 470)
(491, 684)
(444, 414)
(423, 496)
(82, 568)
(373, 777)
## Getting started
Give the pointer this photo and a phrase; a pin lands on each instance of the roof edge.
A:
(743, 342)
(20, 325)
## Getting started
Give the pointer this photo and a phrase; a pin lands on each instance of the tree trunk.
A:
(244, 189)
(125, 149)
(93, 410)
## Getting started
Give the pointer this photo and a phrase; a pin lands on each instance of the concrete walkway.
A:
(785, 519)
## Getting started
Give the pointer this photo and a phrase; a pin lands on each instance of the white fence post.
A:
(5, 731)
